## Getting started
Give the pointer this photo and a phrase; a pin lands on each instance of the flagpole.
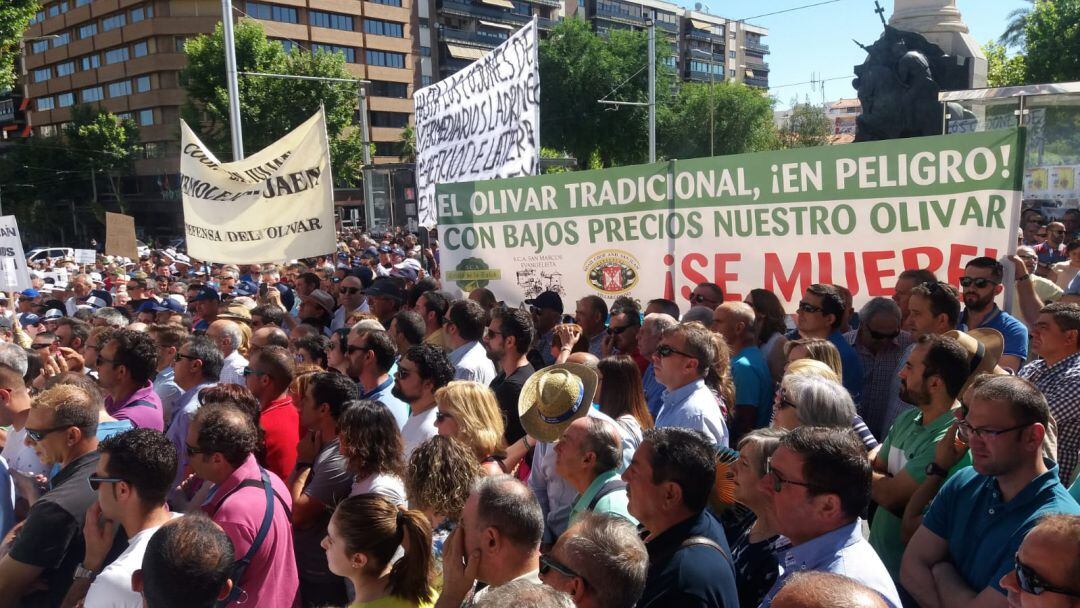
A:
(231, 81)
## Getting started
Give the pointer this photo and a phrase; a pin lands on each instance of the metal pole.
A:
(230, 81)
(365, 171)
(652, 90)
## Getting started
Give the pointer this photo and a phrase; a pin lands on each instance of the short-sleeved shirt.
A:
(983, 532)
(909, 447)
(384, 394)
(1060, 384)
(167, 391)
(507, 390)
(389, 486)
(852, 366)
(419, 428)
(232, 369)
(753, 383)
(1014, 332)
(329, 483)
(112, 588)
(471, 362)
(142, 408)
(879, 371)
(280, 422)
(614, 503)
(694, 406)
(51, 537)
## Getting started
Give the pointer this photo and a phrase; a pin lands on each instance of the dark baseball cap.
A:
(386, 287)
(206, 293)
(548, 299)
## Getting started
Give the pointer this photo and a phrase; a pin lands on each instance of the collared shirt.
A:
(167, 391)
(543, 346)
(1060, 384)
(471, 362)
(852, 366)
(985, 532)
(1048, 254)
(280, 422)
(614, 503)
(383, 393)
(438, 338)
(553, 493)
(142, 408)
(879, 370)
(654, 391)
(183, 413)
(596, 344)
(232, 370)
(341, 315)
(1047, 290)
(753, 383)
(695, 576)
(1014, 332)
(909, 447)
(842, 551)
(271, 578)
(694, 406)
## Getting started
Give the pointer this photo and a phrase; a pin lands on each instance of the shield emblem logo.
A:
(613, 278)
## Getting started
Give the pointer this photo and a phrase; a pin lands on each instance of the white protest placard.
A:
(275, 205)
(14, 275)
(481, 123)
(85, 256)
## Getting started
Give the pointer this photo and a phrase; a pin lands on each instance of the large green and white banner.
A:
(855, 215)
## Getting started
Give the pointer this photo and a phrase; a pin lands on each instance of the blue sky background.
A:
(816, 42)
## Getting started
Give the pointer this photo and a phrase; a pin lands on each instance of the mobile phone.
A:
(262, 290)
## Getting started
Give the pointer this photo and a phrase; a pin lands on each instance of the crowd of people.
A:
(348, 431)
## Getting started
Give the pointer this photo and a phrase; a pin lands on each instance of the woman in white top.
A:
(370, 441)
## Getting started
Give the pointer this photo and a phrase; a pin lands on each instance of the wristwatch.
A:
(934, 469)
(81, 572)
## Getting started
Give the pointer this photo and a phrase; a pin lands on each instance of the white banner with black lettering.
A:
(275, 205)
(481, 123)
(14, 275)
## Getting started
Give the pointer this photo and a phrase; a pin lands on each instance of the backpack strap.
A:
(141, 403)
(240, 566)
(703, 541)
(613, 485)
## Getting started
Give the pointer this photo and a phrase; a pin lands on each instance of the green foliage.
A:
(1017, 23)
(740, 121)
(805, 127)
(1002, 70)
(1052, 33)
(270, 107)
(14, 17)
(577, 68)
(407, 145)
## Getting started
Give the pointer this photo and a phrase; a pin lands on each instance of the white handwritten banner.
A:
(481, 123)
(275, 205)
(14, 275)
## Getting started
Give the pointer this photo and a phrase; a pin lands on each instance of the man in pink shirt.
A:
(126, 364)
(221, 442)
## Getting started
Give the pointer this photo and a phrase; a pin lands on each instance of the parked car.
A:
(142, 248)
(44, 254)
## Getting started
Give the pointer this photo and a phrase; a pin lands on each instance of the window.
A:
(348, 52)
(333, 21)
(44, 103)
(381, 88)
(142, 84)
(61, 40)
(271, 12)
(384, 28)
(59, 7)
(113, 22)
(178, 44)
(425, 51)
(731, 54)
(706, 68)
(388, 2)
(92, 94)
(48, 131)
(120, 89)
(65, 69)
(87, 30)
(288, 45)
(116, 55)
(423, 22)
(39, 46)
(140, 13)
(393, 120)
(387, 148)
(612, 7)
(43, 74)
(140, 49)
(386, 59)
(90, 62)
(65, 100)
(731, 73)
(82, 2)
(37, 18)
(154, 149)
(425, 80)
(144, 117)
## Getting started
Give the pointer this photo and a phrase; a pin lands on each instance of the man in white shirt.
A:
(464, 328)
(422, 370)
(132, 478)
(351, 299)
(227, 336)
(23, 463)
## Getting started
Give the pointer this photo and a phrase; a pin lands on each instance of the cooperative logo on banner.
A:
(473, 273)
(612, 271)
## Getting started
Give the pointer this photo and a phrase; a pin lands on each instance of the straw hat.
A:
(984, 347)
(554, 397)
(235, 311)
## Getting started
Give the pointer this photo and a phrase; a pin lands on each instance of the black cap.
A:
(386, 287)
(548, 299)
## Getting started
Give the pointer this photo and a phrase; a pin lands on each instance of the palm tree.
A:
(407, 145)
(1017, 22)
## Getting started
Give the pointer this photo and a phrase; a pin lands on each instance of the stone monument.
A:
(940, 22)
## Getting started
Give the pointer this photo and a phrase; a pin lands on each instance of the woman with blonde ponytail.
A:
(361, 543)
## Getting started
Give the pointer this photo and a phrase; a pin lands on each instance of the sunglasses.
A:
(979, 283)
(808, 308)
(491, 332)
(697, 298)
(614, 331)
(1029, 581)
(247, 371)
(664, 351)
(36, 435)
(877, 335)
(348, 290)
(351, 349)
(440, 416)
(180, 356)
(192, 451)
(95, 481)
(547, 564)
(40, 346)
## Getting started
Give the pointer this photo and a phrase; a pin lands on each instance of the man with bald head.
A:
(749, 369)
(350, 299)
(267, 336)
(228, 337)
(815, 589)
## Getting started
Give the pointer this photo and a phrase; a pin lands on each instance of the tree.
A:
(740, 121)
(579, 67)
(15, 15)
(407, 145)
(1014, 29)
(115, 140)
(1002, 70)
(805, 127)
(270, 107)
(1052, 43)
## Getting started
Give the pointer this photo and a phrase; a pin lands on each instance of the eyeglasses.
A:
(877, 335)
(547, 564)
(1026, 256)
(355, 349)
(348, 290)
(247, 371)
(36, 435)
(808, 308)
(101, 360)
(779, 482)
(95, 481)
(697, 298)
(664, 351)
(614, 331)
(1029, 581)
(784, 401)
(488, 333)
(192, 451)
(180, 356)
(40, 346)
(440, 416)
(966, 430)
(979, 283)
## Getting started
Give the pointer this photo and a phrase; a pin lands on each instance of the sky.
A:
(815, 43)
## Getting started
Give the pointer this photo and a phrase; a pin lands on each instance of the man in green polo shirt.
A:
(931, 379)
(587, 456)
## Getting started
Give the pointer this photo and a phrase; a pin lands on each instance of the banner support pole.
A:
(652, 90)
